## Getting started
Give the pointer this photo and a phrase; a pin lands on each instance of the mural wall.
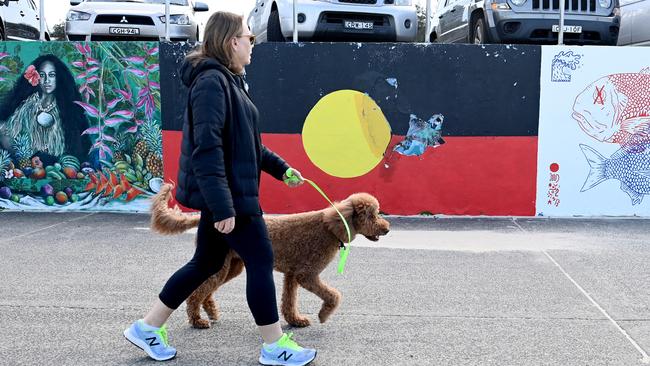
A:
(428, 129)
(594, 132)
(80, 126)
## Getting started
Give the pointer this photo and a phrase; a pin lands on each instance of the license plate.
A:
(357, 25)
(568, 28)
(124, 31)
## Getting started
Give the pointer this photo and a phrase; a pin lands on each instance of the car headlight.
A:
(518, 2)
(605, 3)
(74, 15)
(403, 2)
(180, 19)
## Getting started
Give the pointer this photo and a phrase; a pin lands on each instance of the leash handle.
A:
(345, 250)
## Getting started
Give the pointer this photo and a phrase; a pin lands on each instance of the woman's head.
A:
(226, 39)
(47, 77)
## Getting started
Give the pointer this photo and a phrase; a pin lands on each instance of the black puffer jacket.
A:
(222, 154)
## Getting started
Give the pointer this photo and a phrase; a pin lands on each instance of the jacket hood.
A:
(189, 72)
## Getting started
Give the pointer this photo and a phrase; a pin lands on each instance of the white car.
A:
(132, 20)
(332, 20)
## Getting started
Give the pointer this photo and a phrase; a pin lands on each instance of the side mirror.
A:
(75, 2)
(198, 6)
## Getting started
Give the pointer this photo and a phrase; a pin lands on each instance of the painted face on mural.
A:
(47, 74)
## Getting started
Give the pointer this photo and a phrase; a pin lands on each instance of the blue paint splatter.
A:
(421, 134)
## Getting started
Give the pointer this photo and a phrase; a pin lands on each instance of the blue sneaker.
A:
(151, 340)
(286, 352)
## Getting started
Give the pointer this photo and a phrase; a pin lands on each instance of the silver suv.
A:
(132, 20)
(526, 21)
(19, 20)
(331, 20)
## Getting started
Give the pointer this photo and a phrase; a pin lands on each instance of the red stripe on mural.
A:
(490, 176)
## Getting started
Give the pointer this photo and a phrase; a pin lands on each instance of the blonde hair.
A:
(219, 30)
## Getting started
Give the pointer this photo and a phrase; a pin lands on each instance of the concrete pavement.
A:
(435, 291)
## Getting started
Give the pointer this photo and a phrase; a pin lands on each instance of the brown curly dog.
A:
(303, 245)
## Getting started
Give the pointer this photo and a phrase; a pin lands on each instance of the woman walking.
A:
(222, 157)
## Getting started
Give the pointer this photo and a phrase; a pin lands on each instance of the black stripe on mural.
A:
(490, 90)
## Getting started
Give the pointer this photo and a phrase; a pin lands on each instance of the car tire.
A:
(273, 30)
(2, 34)
(479, 33)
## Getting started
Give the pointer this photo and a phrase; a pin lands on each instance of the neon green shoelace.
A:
(162, 333)
(288, 342)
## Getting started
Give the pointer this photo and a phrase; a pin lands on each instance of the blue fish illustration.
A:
(632, 169)
(421, 134)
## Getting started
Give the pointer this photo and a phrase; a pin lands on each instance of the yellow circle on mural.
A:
(346, 134)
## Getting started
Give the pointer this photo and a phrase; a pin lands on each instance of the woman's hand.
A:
(293, 178)
(225, 226)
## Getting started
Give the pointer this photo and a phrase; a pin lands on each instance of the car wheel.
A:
(2, 34)
(479, 35)
(273, 30)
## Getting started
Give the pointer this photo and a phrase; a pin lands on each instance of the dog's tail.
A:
(166, 220)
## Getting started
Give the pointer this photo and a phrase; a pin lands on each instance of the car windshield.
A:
(174, 2)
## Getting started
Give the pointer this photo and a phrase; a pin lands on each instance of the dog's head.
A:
(361, 211)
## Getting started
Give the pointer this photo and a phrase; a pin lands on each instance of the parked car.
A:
(132, 20)
(635, 23)
(331, 20)
(526, 21)
(19, 21)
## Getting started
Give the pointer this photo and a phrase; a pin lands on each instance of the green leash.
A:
(345, 250)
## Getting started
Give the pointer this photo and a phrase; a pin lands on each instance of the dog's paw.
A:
(200, 323)
(213, 315)
(299, 322)
(324, 314)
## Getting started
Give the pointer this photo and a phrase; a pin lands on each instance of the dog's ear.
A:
(333, 221)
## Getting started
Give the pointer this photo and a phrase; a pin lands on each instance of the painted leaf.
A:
(87, 48)
(92, 61)
(143, 92)
(136, 72)
(113, 103)
(92, 69)
(123, 113)
(98, 144)
(126, 95)
(141, 102)
(80, 64)
(135, 60)
(82, 75)
(91, 131)
(133, 129)
(154, 85)
(112, 122)
(2, 79)
(4, 68)
(92, 111)
(109, 138)
(106, 149)
(153, 51)
(80, 48)
(92, 79)
(153, 67)
(3, 55)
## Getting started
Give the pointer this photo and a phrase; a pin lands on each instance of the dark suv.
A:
(526, 21)
(19, 20)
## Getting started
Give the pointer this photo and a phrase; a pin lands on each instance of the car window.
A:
(32, 4)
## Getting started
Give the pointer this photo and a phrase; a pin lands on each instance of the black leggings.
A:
(251, 241)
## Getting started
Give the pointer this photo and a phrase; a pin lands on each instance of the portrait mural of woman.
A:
(39, 118)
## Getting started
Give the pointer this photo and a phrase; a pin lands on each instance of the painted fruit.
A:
(38, 173)
(68, 192)
(70, 172)
(5, 192)
(86, 164)
(28, 171)
(49, 200)
(57, 166)
(74, 198)
(18, 173)
(47, 190)
(15, 198)
(80, 176)
(61, 198)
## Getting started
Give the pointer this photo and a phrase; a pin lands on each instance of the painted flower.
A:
(32, 75)
(8, 174)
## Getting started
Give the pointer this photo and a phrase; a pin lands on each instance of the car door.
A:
(256, 21)
(31, 21)
(443, 21)
(640, 33)
(457, 21)
(12, 19)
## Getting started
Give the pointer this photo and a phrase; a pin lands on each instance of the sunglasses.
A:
(251, 38)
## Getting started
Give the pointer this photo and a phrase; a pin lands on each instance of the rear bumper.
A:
(391, 23)
(510, 27)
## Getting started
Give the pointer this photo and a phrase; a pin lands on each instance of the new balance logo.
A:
(152, 341)
(285, 356)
